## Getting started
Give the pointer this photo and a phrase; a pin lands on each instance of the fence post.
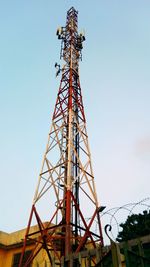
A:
(127, 261)
(116, 257)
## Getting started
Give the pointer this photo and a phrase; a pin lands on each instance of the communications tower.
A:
(65, 206)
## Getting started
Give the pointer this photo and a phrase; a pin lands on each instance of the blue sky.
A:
(115, 84)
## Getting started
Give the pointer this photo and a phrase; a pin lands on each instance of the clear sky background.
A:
(115, 83)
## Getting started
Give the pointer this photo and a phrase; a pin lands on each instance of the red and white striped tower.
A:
(66, 188)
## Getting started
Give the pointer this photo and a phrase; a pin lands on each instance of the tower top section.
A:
(71, 40)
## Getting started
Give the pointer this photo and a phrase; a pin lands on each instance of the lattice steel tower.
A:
(65, 191)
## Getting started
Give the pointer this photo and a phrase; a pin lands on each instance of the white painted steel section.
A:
(69, 165)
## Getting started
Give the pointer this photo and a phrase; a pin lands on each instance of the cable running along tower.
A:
(65, 195)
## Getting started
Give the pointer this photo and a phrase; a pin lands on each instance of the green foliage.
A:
(135, 226)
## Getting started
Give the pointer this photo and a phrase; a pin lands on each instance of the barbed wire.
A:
(114, 218)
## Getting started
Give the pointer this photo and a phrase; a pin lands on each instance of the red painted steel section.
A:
(68, 226)
(100, 228)
(87, 234)
(25, 240)
(66, 95)
(84, 222)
